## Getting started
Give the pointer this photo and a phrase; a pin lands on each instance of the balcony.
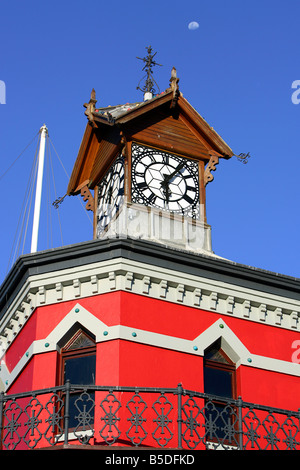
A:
(148, 418)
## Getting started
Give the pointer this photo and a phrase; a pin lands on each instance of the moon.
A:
(193, 25)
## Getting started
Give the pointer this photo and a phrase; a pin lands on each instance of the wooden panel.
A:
(89, 160)
(211, 137)
(107, 149)
(104, 158)
(169, 133)
(84, 161)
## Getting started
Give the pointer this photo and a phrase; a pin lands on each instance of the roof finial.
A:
(148, 88)
(90, 107)
(174, 86)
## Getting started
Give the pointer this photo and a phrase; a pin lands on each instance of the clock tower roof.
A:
(167, 121)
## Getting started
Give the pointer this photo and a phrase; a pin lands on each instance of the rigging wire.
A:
(55, 192)
(78, 197)
(6, 171)
(48, 190)
(25, 210)
(19, 241)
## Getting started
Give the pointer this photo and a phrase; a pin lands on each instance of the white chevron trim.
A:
(235, 349)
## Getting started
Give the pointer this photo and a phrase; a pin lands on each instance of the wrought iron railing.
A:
(147, 417)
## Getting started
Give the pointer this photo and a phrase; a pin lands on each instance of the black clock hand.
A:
(165, 183)
(166, 190)
(177, 169)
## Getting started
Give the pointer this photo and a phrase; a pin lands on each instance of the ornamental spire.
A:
(149, 88)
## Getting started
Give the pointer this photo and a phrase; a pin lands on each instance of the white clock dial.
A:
(110, 194)
(165, 181)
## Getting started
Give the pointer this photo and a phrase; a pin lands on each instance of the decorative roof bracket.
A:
(211, 166)
(88, 198)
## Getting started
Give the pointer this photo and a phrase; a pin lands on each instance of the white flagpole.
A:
(38, 194)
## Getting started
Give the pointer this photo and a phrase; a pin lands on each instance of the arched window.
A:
(219, 381)
(78, 365)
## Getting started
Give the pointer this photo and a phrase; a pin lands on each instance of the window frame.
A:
(66, 353)
(228, 366)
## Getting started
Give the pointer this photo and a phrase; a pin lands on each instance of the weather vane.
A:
(150, 83)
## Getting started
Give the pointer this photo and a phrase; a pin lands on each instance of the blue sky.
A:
(236, 69)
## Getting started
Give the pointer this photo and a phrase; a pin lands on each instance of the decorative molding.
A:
(213, 300)
(230, 304)
(197, 297)
(262, 312)
(180, 292)
(112, 280)
(146, 284)
(163, 288)
(94, 284)
(246, 308)
(128, 280)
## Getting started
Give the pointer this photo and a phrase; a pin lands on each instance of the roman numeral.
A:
(151, 198)
(139, 175)
(142, 185)
(188, 199)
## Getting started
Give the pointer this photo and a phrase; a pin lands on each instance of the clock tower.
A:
(143, 168)
(143, 336)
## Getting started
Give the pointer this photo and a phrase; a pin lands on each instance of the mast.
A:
(38, 194)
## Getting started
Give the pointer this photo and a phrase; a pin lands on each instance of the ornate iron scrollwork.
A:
(162, 433)
(290, 430)
(85, 405)
(192, 414)
(136, 432)
(33, 434)
(198, 421)
(54, 407)
(11, 436)
(110, 431)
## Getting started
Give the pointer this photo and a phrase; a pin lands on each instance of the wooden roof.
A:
(167, 121)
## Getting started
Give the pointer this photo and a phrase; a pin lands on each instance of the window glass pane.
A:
(218, 382)
(80, 370)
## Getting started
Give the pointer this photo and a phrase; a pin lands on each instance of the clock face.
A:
(165, 181)
(110, 194)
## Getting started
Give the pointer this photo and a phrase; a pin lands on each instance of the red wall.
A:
(130, 363)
